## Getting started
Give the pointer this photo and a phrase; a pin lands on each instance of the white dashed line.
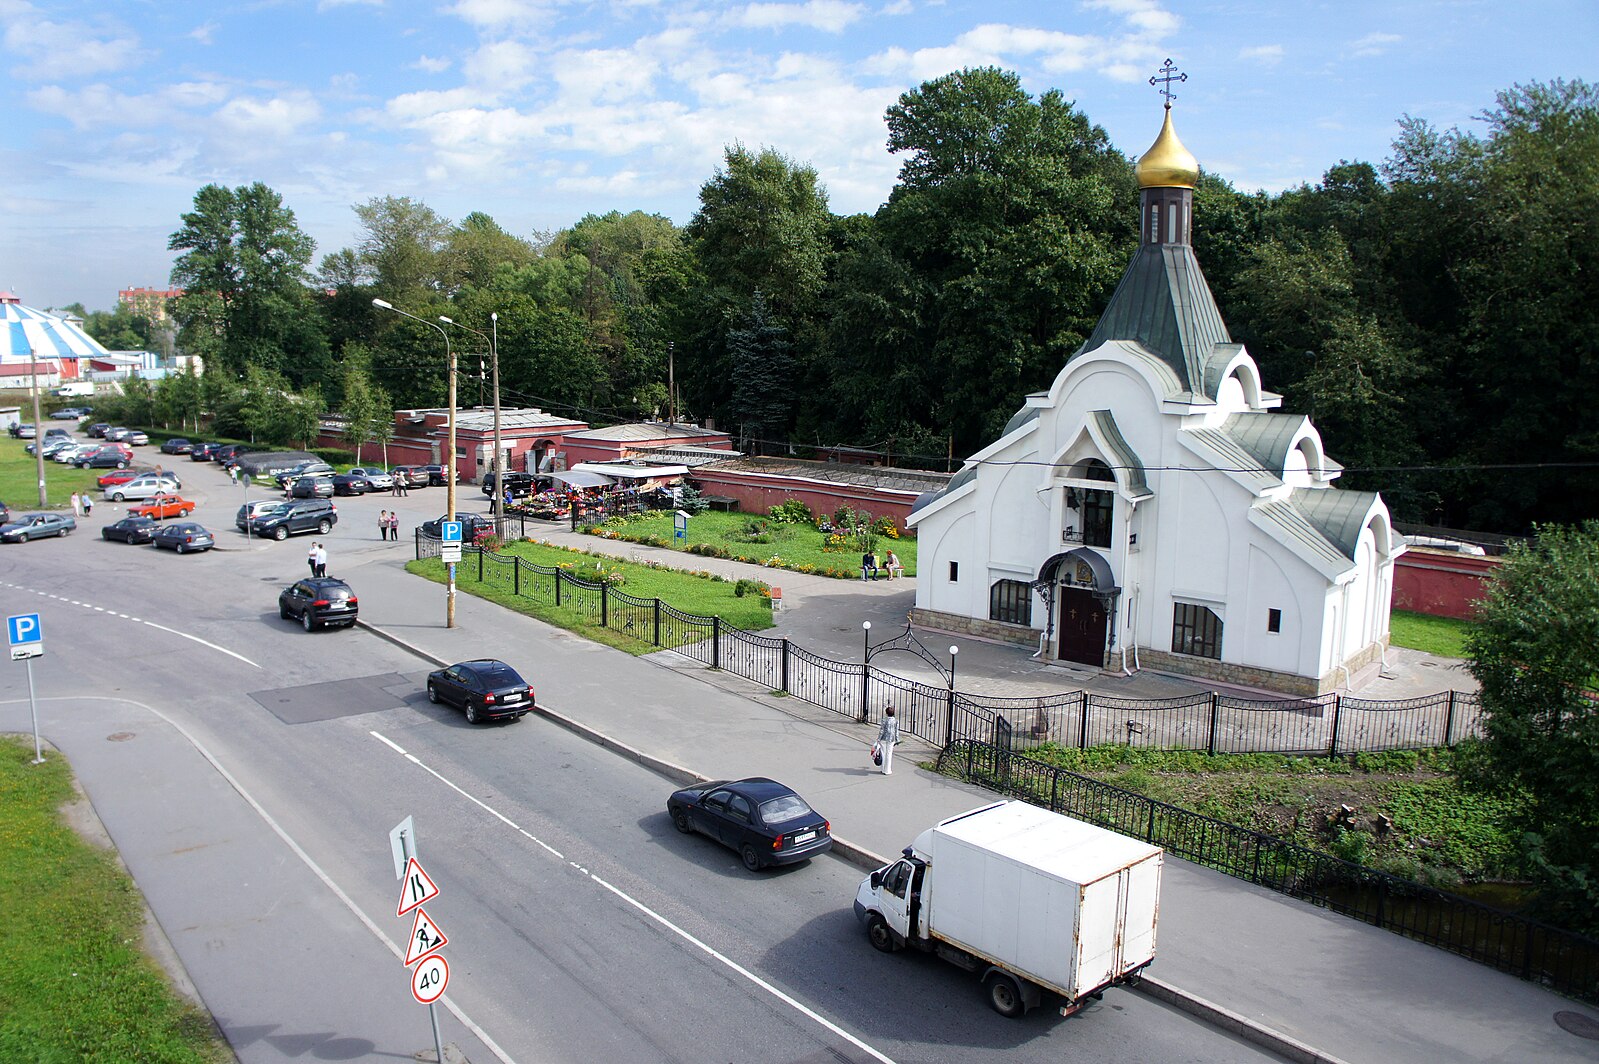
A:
(721, 958)
(136, 620)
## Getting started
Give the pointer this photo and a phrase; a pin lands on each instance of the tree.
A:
(402, 247)
(359, 406)
(476, 250)
(1535, 651)
(243, 264)
(763, 386)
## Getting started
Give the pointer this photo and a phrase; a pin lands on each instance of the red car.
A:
(118, 476)
(163, 506)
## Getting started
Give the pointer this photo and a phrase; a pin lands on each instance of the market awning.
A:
(578, 478)
(632, 472)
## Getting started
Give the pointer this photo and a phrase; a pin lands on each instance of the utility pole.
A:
(499, 447)
(38, 430)
(671, 384)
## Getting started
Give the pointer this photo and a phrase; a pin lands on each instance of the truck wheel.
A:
(877, 932)
(1005, 995)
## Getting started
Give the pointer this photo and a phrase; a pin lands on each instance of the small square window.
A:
(954, 571)
(1274, 620)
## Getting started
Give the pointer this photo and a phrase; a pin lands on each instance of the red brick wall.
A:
(759, 494)
(1440, 583)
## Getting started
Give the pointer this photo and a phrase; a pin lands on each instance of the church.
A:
(1154, 509)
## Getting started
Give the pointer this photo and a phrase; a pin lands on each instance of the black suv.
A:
(319, 602)
(518, 484)
(472, 526)
(300, 515)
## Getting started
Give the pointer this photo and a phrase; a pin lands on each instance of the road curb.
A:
(1200, 1008)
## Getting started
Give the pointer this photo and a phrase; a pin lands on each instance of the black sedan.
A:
(105, 458)
(177, 445)
(764, 821)
(36, 526)
(485, 688)
(319, 602)
(183, 537)
(131, 530)
(203, 452)
(350, 484)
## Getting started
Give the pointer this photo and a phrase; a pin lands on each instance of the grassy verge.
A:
(19, 477)
(1439, 833)
(1443, 636)
(699, 593)
(758, 540)
(74, 985)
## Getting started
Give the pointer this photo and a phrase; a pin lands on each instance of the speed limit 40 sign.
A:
(430, 978)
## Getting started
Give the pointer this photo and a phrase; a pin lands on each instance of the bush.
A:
(792, 511)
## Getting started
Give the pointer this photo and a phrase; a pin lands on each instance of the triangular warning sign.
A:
(425, 938)
(415, 888)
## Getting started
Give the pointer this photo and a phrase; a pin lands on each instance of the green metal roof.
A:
(1122, 454)
(1164, 304)
(1338, 515)
(1265, 436)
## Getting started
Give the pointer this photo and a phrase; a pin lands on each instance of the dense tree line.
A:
(1435, 312)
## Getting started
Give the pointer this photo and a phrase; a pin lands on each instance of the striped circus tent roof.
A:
(27, 334)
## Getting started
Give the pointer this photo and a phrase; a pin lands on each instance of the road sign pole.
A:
(410, 852)
(33, 707)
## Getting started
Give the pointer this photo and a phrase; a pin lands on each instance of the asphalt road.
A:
(581, 925)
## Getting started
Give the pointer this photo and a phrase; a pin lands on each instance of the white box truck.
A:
(1033, 901)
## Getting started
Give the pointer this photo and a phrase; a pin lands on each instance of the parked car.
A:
(349, 484)
(177, 445)
(472, 526)
(380, 479)
(116, 432)
(204, 452)
(97, 430)
(164, 506)
(312, 488)
(253, 511)
(36, 526)
(76, 453)
(319, 602)
(300, 515)
(137, 438)
(143, 486)
(518, 484)
(5, 514)
(302, 469)
(57, 430)
(439, 474)
(49, 445)
(130, 530)
(485, 689)
(415, 476)
(71, 413)
(106, 458)
(119, 476)
(23, 430)
(183, 537)
(229, 453)
(761, 820)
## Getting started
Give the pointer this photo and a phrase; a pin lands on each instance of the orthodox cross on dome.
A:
(1169, 72)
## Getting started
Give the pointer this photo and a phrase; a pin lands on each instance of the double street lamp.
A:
(449, 476)
(499, 451)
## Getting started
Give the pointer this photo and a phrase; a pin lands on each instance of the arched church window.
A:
(1195, 630)
(1011, 602)
(1094, 469)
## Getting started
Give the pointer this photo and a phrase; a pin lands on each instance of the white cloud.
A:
(504, 14)
(1145, 16)
(273, 118)
(431, 64)
(500, 66)
(66, 50)
(1267, 54)
(829, 16)
(97, 107)
(1373, 44)
(328, 5)
(205, 33)
(896, 7)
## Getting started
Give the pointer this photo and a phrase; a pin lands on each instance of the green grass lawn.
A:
(757, 539)
(75, 985)
(1442, 636)
(685, 591)
(19, 477)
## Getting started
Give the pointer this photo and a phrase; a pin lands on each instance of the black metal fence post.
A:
(1338, 701)
(1215, 715)
(949, 722)
(784, 687)
(716, 642)
(657, 621)
(605, 604)
(866, 689)
(1449, 721)
(1082, 724)
(480, 553)
(516, 576)
(559, 573)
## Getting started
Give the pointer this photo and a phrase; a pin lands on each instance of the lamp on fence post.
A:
(866, 674)
(953, 650)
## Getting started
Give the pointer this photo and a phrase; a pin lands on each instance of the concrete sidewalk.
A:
(1351, 991)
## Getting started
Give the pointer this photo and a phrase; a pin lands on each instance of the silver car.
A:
(380, 479)
(144, 486)
(71, 455)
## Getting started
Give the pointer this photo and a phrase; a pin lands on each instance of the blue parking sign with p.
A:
(24, 628)
(450, 532)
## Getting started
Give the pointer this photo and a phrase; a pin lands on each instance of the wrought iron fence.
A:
(1329, 725)
(1560, 960)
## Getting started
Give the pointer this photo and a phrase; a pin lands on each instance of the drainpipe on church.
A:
(1127, 559)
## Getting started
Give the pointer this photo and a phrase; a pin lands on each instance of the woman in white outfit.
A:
(887, 736)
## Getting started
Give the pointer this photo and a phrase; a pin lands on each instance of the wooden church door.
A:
(1081, 627)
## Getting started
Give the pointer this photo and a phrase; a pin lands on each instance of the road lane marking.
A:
(136, 620)
(787, 999)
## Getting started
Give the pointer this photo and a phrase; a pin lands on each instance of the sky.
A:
(538, 112)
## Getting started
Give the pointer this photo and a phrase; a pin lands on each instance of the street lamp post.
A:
(449, 475)
(499, 453)
(866, 669)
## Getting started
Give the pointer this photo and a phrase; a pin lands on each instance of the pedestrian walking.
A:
(321, 560)
(383, 525)
(394, 526)
(310, 559)
(403, 482)
(887, 737)
(77, 505)
(88, 504)
(233, 474)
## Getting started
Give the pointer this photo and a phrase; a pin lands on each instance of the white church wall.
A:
(1019, 514)
(1267, 588)
(952, 539)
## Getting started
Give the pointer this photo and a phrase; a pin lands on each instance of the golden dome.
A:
(1167, 164)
